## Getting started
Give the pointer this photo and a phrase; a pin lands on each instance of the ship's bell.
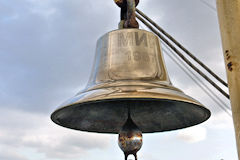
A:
(129, 77)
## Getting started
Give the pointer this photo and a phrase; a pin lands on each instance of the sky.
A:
(47, 49)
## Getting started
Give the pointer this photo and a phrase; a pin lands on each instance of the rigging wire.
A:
(189, 72)
(181, 47)
(208, 5)
(220, 103)
(183, 57)
(195, 79)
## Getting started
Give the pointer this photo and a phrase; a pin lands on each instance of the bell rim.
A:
(205, 110)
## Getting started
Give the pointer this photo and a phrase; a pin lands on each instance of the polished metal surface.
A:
(129, 72)
(130, 139)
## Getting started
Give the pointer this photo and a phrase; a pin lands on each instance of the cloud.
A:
(193, 134)
(44, 46)
(220, 122)
(46, 54)
(47, 50)
(11, 155)
(27, 130)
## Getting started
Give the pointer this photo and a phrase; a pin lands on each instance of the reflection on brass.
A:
(129, 73)
(130, 138)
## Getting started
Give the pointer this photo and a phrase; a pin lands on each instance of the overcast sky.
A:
(46, 53)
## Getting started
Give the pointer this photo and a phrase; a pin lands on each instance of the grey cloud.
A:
(199, 33)
(48, 49)
(44, 46)
(11, 155)
(44, 55)
(40, 134)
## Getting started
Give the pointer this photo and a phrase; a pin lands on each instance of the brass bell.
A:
(129, 77)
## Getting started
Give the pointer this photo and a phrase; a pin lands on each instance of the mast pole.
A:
(229, 20)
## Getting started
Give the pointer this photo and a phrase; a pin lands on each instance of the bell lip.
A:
(206, 111)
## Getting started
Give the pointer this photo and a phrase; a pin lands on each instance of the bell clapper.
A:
(130, 138)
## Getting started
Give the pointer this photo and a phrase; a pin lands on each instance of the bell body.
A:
(129, 72)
